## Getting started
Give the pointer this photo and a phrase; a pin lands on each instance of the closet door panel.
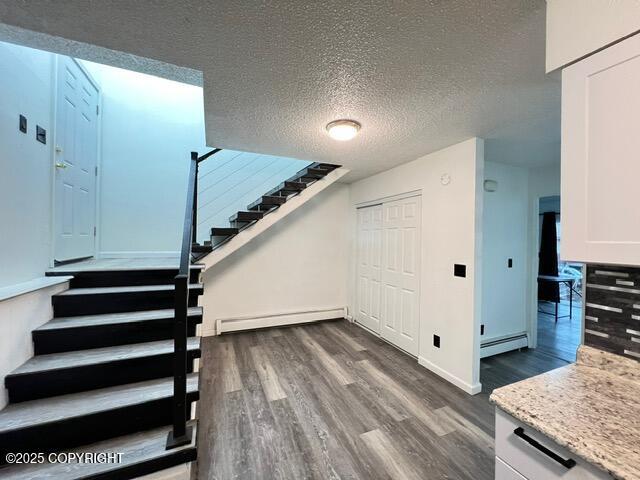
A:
(399, 273)
(369, 255)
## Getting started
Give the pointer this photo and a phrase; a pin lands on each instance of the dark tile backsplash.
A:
(612, 309)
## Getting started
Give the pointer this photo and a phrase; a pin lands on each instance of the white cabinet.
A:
(505, 472)
(601, 156)
(523, 453)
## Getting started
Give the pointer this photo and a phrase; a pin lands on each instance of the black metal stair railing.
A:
(181, 434)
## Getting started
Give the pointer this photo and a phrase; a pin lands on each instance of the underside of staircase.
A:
(102, 379)
(263, 206)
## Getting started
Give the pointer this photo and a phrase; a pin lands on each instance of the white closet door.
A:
(369, 250)
(400, 273)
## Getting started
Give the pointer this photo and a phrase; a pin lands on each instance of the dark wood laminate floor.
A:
(559, 339)
(330, 400)
(511, 367)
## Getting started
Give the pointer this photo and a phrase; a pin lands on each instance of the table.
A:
(569, 280)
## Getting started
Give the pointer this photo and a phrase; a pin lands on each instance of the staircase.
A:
(102, 377)
(268, 203)
(113, 371)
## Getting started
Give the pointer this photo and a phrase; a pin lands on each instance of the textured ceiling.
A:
(418, 75)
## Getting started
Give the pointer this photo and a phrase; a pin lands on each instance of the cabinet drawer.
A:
(532, 462)
(505, 472)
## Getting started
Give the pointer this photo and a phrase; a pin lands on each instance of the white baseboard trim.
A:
(140, 254)
(238, 324)
(471, 389)
(502, 345)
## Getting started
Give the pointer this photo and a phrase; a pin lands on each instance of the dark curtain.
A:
(548, 256)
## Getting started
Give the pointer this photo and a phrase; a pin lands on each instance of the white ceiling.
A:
(418, 75)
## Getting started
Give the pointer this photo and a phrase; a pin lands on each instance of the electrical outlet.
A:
(436, 341)
(41, 134)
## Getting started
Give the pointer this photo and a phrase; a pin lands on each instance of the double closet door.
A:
(388, 283)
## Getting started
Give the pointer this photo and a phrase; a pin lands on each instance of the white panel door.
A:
(400, 273)
(600, 152)
(76, 152)
(369, 258)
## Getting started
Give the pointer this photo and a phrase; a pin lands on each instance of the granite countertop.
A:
(591, 407)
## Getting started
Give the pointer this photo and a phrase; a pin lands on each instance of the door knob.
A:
(61, 165)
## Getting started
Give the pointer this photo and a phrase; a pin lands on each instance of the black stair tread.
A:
(307, 179)
(292, 185)
(288, 186)
(113, 318)
(145, 451)
(127, 289)
(267, 200)
(57, 361)
(248, 216)
(53, 409)
(311, 171)
(72, 270)
(223, 231)
(272, 198)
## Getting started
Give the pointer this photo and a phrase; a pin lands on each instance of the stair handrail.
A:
(181, 433)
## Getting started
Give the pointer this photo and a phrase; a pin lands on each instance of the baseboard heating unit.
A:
(503, 344)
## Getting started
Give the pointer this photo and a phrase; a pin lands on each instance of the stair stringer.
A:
(292, 204)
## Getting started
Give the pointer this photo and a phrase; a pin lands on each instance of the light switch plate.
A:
(41, 134)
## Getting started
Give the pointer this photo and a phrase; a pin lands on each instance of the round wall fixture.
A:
(343, 130)
(445, 179)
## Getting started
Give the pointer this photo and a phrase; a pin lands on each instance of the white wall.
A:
(451, 233)
(18, 317)
(149, 127)
(26, 165)
(504, 236)
(576, 28)
(543, 182)
(298, 265)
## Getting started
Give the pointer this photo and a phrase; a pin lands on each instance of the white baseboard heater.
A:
(225, 325)
(503, 344)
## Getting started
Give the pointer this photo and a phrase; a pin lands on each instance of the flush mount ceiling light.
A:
(343, 130)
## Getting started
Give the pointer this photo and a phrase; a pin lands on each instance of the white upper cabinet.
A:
(601, 156)
(577, 28)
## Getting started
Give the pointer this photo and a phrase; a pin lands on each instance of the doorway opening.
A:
(525, 278)
(559, 288)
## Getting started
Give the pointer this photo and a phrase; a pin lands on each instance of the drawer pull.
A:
(567, 463)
